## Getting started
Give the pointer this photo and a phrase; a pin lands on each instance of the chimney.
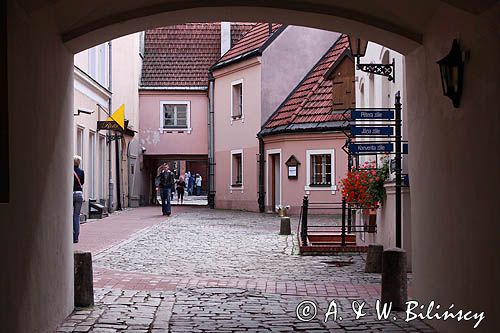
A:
(225, 37)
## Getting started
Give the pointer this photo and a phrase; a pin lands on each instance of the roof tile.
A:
(181, 55)
(311, 101)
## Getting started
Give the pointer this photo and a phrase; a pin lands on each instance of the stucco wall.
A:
(35, 226)
(455, 176)
(287, 60)
(237, 134)
(157, 143)
(293, 190)
(88, 123)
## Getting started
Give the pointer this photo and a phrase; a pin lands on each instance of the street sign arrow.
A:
(381, 130)
(382, 147)
(372, 114)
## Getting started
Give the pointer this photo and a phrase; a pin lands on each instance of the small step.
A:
(329, 237)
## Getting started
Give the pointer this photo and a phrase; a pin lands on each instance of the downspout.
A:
(118, 137)
(109, 136)
(262, 164)
(211, 153)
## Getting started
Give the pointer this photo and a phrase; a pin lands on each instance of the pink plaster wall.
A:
(238, 134)
(166, 143)
(293, 190)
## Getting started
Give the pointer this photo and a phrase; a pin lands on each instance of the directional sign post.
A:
(387, 128)
(372, 114)
(372, 131)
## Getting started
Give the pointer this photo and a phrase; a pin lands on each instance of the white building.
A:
(105, 77)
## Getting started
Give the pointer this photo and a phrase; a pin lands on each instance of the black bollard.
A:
(374, 258)
(394, 283)
(84, 285)
(285, 228)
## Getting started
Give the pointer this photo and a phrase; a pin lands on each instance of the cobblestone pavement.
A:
(207, 270)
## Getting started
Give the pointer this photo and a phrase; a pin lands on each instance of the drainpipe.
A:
(110, 168)
(211, 153)
(262, 164)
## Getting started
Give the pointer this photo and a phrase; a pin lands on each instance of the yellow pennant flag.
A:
(118, 116)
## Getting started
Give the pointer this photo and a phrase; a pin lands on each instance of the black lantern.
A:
(358, 49)
(358, 46)
(452, 73)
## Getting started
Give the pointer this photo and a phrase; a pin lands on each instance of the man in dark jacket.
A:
(78, 181)
(165, 186)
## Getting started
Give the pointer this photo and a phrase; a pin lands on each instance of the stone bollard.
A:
(285, 228)
(394, 282)
(84, 285)
(374, 258)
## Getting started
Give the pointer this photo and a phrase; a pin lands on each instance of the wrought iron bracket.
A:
(379, 69)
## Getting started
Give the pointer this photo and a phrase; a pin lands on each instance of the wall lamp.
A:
(86, 111)
(358, 50)
(452, 73)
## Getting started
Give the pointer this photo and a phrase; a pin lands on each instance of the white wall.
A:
(454, 167)
(36, 282)
(378, 92)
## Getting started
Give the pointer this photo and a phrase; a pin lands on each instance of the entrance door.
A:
(275, 181)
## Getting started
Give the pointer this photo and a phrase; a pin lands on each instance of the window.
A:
(237, 99)
(102, 165)
(79, 144)
(321, 170)
(91, 169)
(175, 116)
(236, 169)
(98, 64)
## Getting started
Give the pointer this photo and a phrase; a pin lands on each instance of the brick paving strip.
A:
(219, 271)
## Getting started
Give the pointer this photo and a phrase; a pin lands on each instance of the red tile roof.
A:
(311, 101)
(253, 40)
(181, 55)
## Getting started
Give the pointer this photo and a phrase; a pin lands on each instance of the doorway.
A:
(274, 179)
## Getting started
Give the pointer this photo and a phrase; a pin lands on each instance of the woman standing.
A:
(78, 180)
(181, 184)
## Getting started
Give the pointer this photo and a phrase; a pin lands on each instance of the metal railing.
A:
(345, 210)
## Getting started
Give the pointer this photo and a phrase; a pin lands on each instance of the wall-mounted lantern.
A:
(358, 49)
(292, 165)
(452, 73)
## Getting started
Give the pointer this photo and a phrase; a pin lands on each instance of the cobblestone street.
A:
(204, 270)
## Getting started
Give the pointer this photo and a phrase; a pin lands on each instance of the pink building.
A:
(251, 81)
(302, 141)
(173, 95)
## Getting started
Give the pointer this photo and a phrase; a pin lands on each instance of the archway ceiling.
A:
(397, 24)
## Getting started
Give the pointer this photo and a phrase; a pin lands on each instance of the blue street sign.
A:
(383, 147)
(359, 114)
(381, 130)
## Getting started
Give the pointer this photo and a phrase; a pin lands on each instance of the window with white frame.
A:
(237, 99)
(91, 166)
(175, 115)
(237, 168)
(98, 64)
(320, 170)
(79, 143)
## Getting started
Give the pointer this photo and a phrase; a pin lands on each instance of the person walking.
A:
(181, 184)
(190, 183)
(198, 184)
(78, 181)
(166, 180)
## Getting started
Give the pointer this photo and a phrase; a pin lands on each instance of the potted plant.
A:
(364, 188)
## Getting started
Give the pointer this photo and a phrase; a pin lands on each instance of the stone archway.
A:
(454, 174)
